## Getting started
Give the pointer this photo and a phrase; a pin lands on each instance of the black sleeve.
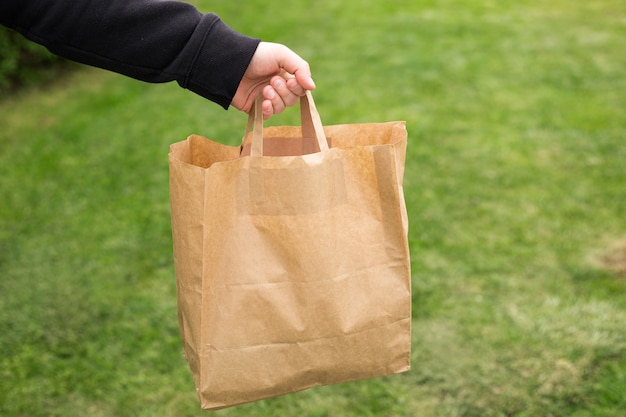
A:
(150, 40)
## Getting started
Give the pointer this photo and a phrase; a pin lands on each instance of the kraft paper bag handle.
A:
(310, 120)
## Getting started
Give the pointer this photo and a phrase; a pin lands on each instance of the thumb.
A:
(294, 64)
(304, 79)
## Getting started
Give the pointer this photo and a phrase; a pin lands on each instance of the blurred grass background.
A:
(515, 186)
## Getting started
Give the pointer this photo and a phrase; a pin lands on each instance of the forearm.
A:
(150, 40)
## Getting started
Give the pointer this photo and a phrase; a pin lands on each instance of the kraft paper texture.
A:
(291, 257)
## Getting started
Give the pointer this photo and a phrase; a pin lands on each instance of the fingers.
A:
(282, 75)
(268, 109)
(295, 87)
(289, 96)
(270, 97)
(279, 94)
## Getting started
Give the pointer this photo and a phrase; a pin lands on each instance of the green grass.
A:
(515, 186)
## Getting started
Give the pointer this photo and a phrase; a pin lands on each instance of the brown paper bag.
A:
(293, 270)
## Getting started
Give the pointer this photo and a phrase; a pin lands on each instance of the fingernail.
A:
(270, 94)
(278, 83)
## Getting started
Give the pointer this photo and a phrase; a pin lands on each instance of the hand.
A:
(279, 73)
